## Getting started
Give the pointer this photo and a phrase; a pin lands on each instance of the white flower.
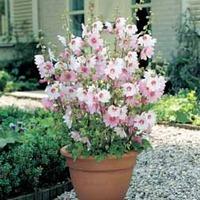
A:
(84, 30)
(75, 136)
(120, 132)
(76, 44)
(131, 29)
(119, 63)
(123, 113)
(68, 117)
(81, 94)
(140, 122)
(51, 55)
(131, 57)
(97, 26)
(109, 26)
(53, 91)
(130, 89)
(74, 63)
(61, 66)
(39, 59)
(104, 96)
(62, 40)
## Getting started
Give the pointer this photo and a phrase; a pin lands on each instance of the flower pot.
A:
(105, 180)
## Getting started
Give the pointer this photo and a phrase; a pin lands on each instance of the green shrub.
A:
(4, 78)
(181, 108)
(184, 70)
(35, 160)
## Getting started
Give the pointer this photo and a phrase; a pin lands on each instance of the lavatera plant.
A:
(102, 90)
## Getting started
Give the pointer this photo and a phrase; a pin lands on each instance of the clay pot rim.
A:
(66, 154)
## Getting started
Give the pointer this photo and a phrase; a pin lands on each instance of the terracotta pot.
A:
(105, 180)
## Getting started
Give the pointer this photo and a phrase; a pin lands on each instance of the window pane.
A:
(2, 17)
(138, 1)
(77, 20)
(76, 5)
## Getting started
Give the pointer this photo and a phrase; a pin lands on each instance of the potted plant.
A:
(104, 95)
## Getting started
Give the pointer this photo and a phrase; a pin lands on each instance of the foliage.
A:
(34, 161)
(181, 108)
(184, 71)
(4, 78)
(21, 65)
(102, 89)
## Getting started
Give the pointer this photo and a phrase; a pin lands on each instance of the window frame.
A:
(5, 24)
(76, 12)
(137, 6)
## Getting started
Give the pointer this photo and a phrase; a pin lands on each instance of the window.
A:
(76, 12)
(141, 16)
(2, 18)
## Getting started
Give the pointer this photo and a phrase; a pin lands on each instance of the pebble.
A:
(169, 171)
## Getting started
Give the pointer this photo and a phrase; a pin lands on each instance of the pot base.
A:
(105, 180)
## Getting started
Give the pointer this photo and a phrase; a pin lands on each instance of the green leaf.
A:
(4, 142)
(182, 117)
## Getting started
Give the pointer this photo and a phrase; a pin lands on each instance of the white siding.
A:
(194, 6)
(166, 18)
(22, 17)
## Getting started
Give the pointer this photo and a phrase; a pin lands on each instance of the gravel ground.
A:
(24, 103)
(170, 171)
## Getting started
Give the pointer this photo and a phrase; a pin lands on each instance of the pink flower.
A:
(46, 69)
(95, 41)
(113, 111)
(64, 55)
(120, 23)
(84, 70)
(141, 122)
(68, 92)
(146, 41)
(76, 45)
(147, 52)
(47, 103)
(137, 139)
(133, 43)
(151, 118)
(133, 101)
(152, 87)
(130, 89)
(110, 120)
(68, 76)
(104, 96)
(113, 71)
